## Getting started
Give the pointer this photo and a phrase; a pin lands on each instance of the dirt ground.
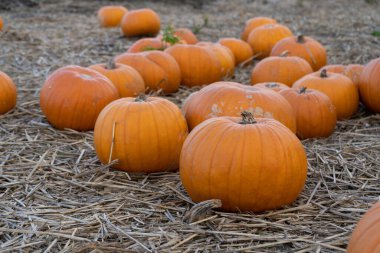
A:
(55, 195)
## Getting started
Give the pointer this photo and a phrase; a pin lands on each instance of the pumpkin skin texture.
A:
(280, 69)
(73, 96)
(226, 159)
(339, 88)
(253, 23)
(144, 135)
(369, 85)
(140, 22)
(230, 99)
(186, 35)
(315, 113)
(126, 79)
(304, 47)
(199, 65)
(241, 50)
(159, 70)
(274, 86)
(8, 93)
(111, 16)
(263, 38)
(365, 237)
(146, 44)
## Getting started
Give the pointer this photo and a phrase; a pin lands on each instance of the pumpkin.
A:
(263, 38)
(8, 93)
(187, 35)
(199, 65)
(159, 70)
(339, 88)
(253, 23)
(304, 47)
(126, 79)
(241, 50)
(352, 71)
(147, 44)
(335, 68)
(73, 96)
(140, 22)
(111, 16)
(230, 99)
(245, 162)
(280, 69)
(315, 113)
(143, 134)
(369, 85)
(366, 237)
(1, 23)
(274, 86)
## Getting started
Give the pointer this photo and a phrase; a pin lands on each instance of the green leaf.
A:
(376, 33)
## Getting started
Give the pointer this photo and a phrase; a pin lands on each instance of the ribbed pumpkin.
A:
(225, 56)
(369, 85)
(111, 16)
(253, 23)
(8, 93)
(339, 88)
(147, 44)
(366, 236)
(334, 68)
(304, 47)
(282, 69)
(230, 99)
(143, 134)
(352, 71)
(274, 86)
(73, 96)
(199, 65)
(263, 38)
(126, 79)
(187, 35)
(159, 70)
(249, 164)
(315, 113)
(140, 22)
(242, 50)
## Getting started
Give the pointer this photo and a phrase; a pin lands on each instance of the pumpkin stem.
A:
(111, 64)
(247, 118)
(300, 39)
(141, 98)
(302, 90)
(323, 73)
(284, 54)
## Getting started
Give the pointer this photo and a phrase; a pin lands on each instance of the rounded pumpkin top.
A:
(110, 16)
(140, 22)
(253, 23)
(187, 35)
(242, 50)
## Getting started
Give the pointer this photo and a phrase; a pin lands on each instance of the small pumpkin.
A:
(282, 69)
(352, 71)
(253, 23)
(369, 85)
(304, 47)
(126, 79)
(339, 88)
(111, 16)
(140, 22)
(314, 111)
(187, 35)
(8, 93)
(274, 86)
(143, 134)
(159, 70)
(73, 96)
(146, 44)
(245, 162)
(1, 23)
(241, 50)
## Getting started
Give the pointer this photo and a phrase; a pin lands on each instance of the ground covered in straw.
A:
(55, 195)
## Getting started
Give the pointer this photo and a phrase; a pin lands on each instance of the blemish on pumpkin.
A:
(85, 76)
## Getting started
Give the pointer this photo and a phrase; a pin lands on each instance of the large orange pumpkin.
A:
(339, 88)
(147, 44)
(126, 79)
(143, 134)
(304, 47)
(8, 93)
(241, 49)
(274, 86)
(140, 22)
(73, 96)
(253, 23)
(187, 35)
(159, 70)
(111, 16)
(369, 85)
(352, 71)
(249, 164)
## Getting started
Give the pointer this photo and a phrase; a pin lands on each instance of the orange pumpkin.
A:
(304, 47)
(315, 113)
(73, 96)
(143, 134)
(365, 237)
(187, 35)
(369, 85)
(245, 162)
(280, 69)
(1, 23)
(8, 93)
(336, 68)
(140, 22)
(147, 44)
(253, 23)
(352, 71)
(339, 88)
(241, 50)
(111, 16)
(230, 99)
(126, 79)
(275, 86)
(199, 65)
(159, 70)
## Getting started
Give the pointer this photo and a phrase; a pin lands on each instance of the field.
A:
(55, 196)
